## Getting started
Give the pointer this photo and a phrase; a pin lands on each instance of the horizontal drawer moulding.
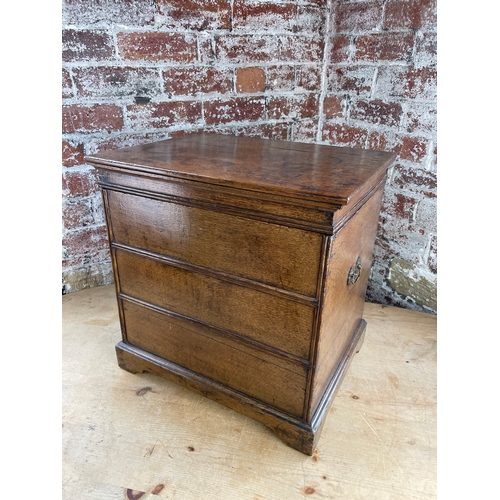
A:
(224, 276)
(258, 346)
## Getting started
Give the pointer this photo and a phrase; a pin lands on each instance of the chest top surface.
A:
(291, 169)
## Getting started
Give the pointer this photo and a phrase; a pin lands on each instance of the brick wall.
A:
(356, 73)
(381, 94)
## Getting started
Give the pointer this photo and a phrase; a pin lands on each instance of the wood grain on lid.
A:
(298, 170)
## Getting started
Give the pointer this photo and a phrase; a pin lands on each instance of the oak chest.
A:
(241, 268)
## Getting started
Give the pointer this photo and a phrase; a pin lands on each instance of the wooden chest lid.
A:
(298, 170)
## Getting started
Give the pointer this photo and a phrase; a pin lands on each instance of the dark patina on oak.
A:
(241, 267)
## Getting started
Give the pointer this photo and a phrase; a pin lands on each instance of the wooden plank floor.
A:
(138, 436)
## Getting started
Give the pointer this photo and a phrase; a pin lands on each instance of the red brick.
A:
(79, 183)
(355, 17)
(340, 49)
(382, 246)
(311, 19)
(237, 109)
(206, 48)
(378, 141)
(384, 47)
(250, 80)
(263, 15)
(411, 148)
(76, 118)
(400, 206)
(72, 154)
(344, 135)
(308, 77)
(301, 48)
(277, 131)
(280, 77)
(401, 228)
(306, 130)
(408, 82)
(196, 80)
(81, 247)
(396, 230)
(350, 79)
(125, 12)
(85, 45)
(163, 114)
(84, 261)
(294, 107)
(408, 222)
(332, 107)
(410, 13)
(246, 48)
(416, 180)
(421, 118)
(426, 49)
(116, 81)
(77, 213)
(196, 14)
(377, 112)
(67, 85)
(157, 46)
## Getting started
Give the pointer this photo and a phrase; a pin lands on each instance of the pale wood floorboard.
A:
(124, 434)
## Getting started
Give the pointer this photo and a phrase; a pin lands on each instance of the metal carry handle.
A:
(354, 272)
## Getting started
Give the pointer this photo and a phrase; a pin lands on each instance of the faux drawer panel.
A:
(240, 202)
(269, 253)
(270, 319)
(203, 351)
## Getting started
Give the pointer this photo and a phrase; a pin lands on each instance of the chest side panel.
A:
(343, 303)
